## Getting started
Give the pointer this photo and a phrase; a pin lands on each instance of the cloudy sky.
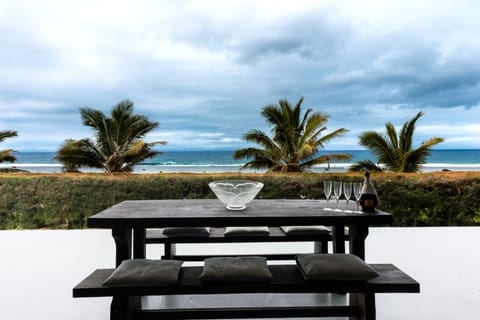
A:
(204, 69)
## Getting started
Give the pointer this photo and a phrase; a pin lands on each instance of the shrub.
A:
(66, 201)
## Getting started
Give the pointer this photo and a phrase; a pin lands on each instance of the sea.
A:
(222, 161)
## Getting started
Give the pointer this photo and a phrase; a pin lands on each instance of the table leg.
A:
(338, 234)
(366, 304)
(139, 247)
(123, 244)
(123, 307)
(358, 234)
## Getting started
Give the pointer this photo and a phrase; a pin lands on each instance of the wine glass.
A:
(327, 190)
(337, 192)
(357, 192)
(347, 191)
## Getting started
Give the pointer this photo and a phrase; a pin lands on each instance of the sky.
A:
(205, 69)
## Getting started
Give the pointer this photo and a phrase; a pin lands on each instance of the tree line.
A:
(293, 145)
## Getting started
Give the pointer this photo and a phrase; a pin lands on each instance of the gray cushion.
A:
(236, 269)
(335, 266)
(143, 272)
(186, 232)
(305, 230)
(247, 231)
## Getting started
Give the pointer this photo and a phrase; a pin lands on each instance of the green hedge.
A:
(65, 201)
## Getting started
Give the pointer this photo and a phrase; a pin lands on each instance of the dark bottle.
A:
(368, 198)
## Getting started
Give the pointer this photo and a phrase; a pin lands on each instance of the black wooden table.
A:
(129, 220)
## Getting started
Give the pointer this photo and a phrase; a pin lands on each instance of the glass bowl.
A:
(235, 193)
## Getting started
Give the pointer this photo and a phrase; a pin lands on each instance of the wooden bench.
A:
(217, 235)
(127, 305)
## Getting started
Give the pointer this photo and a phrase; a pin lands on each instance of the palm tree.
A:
(395, 152)
(295, 143)
(6, 155)
(118, 146)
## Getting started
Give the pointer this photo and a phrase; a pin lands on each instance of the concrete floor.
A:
(38, 270)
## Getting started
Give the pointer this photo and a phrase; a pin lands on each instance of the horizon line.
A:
(231, 150)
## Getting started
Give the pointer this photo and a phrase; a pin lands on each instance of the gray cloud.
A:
(204, 69)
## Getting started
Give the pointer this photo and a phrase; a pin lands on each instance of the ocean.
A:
(221, 161)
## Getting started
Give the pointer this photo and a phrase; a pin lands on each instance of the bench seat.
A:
(156, 236)
(286, 279)
(217, 235)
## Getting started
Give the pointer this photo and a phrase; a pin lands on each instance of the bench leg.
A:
(170, 250)
(320, 246)
(123, 308)
(365, 302)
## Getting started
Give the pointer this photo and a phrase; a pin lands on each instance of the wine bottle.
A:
(368, 198)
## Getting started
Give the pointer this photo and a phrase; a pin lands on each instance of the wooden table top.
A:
(211, 212)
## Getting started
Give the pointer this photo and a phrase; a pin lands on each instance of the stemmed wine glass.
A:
(357, 192)
(337, 192)
(347, 191)
(327, 190)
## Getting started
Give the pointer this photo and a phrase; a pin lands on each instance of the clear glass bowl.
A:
(236, 194)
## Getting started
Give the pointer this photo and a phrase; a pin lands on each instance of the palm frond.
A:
(327, 158)
(101, 126)
(80, 153)
(392, 135)
(137, 153)
(330, 136)
(251, 153)
(259, 163)
(313, 126)
(406, 134)
(414, 159)
(259, 137)
(6, 155)
(366, 165)
(5, 134)
(121, 123)
(306, 151)
(273, 116)
(379, 146)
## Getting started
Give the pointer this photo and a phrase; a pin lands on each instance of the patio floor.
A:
(39, 268)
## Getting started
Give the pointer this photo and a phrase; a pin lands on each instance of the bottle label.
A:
(368, 202)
